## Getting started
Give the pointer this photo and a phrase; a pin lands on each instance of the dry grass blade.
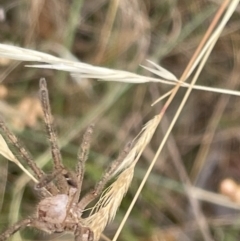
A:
(160, 71)
(6, 152)
(81, 70)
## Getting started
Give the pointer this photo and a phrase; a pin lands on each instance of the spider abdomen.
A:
(53, 209)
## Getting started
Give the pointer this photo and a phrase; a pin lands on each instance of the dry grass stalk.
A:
(82, 70)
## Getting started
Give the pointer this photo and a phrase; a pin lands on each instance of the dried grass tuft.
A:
(106, 208)
(142, 139)
(108, 204)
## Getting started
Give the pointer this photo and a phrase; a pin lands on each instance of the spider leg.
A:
(25, 155)
(10, 231)
(56, 155)
(108, 174)
(83, 234)
(82, 157)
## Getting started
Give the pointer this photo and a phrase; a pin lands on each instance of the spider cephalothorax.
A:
(61, 208)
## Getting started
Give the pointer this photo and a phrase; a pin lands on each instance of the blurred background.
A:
(122, 35)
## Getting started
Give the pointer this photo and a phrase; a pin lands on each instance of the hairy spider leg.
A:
(82, 157)
(107, 175)
(84, 234)
(80, 233)
(56, 155)
(10, 231)
(26, 156)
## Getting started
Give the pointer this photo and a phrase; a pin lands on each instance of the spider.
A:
(61, 208)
